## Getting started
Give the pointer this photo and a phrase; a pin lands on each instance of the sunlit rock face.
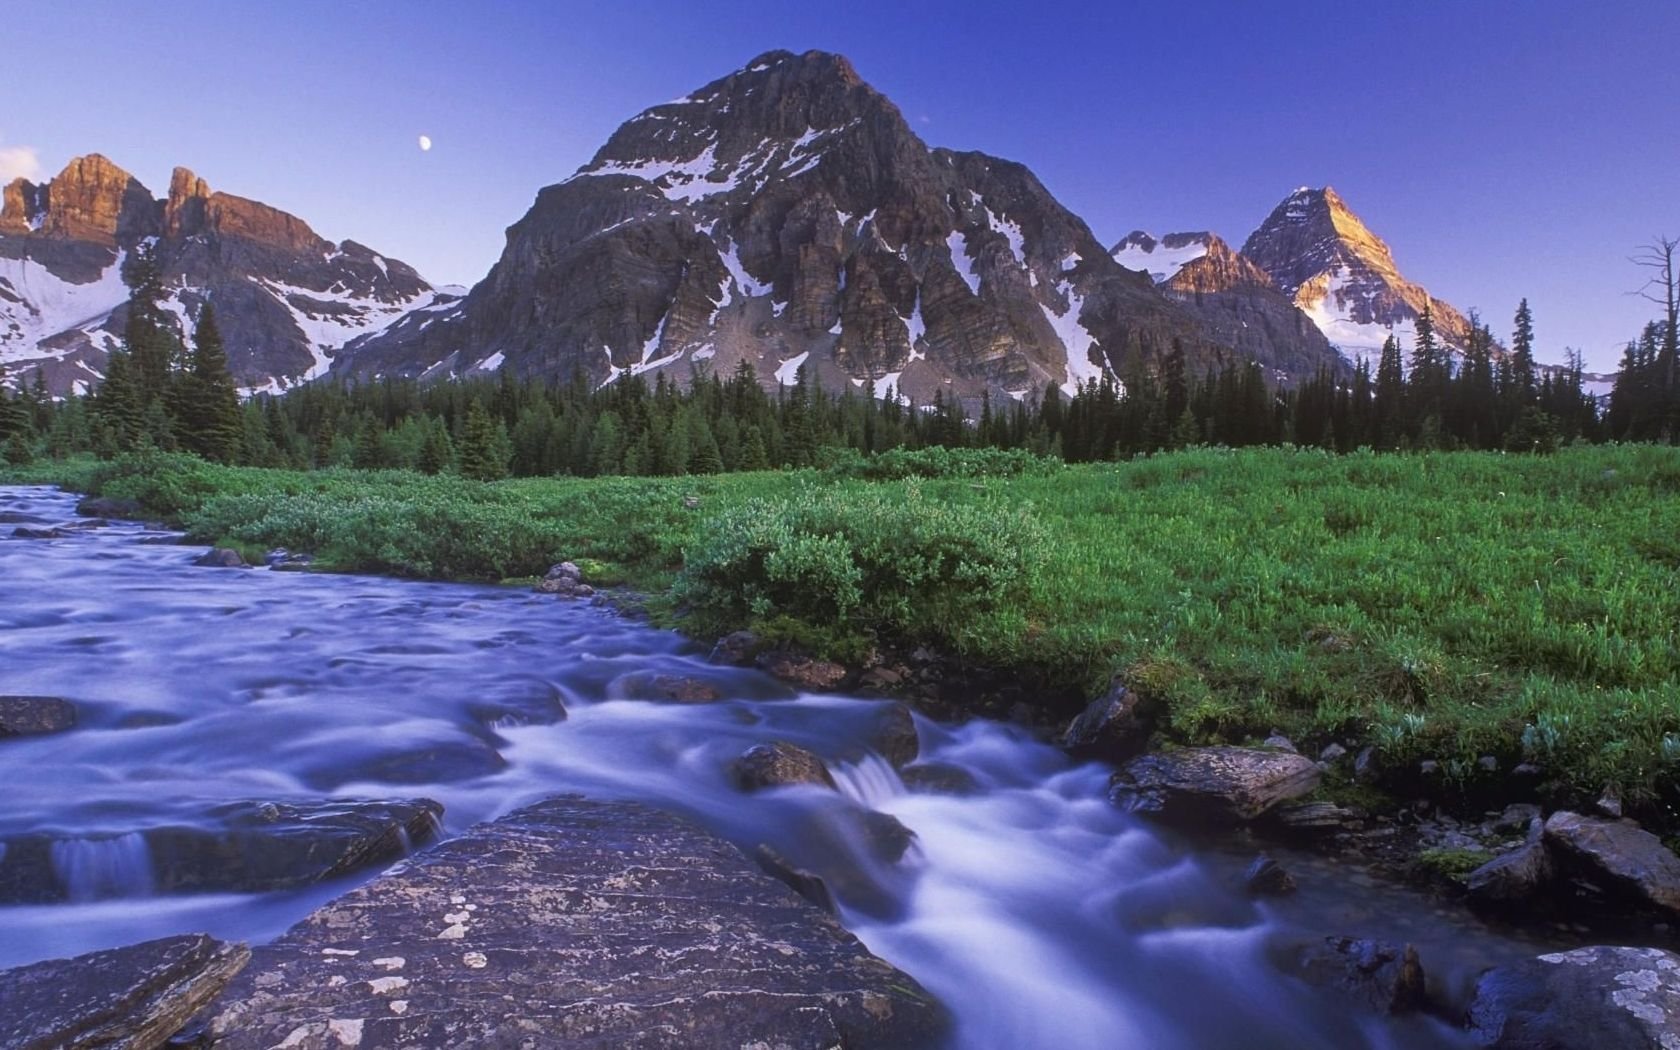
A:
(787, 215)
(286, 299)
(1321, 255)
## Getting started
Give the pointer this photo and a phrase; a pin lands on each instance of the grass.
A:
(1444, 606)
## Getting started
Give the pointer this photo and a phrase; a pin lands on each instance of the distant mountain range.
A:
(287, 300)
(783, 215)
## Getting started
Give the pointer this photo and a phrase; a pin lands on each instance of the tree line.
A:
(160, 393)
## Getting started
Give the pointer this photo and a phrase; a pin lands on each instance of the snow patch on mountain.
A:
(1160, 259)
(36, 303)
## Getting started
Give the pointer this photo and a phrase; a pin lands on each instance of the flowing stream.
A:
(1040, 914)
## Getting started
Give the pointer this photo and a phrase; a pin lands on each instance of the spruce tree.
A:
(209, 422)
(484, 450)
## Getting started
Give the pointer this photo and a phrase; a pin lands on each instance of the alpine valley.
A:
(785, 215)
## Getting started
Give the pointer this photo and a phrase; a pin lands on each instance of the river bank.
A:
(199, 687)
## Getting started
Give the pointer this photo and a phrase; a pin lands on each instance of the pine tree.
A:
(483, 451)
(437, 452)
(208, 420)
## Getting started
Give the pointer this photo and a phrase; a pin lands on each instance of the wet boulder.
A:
(131, 998)
(1606, 998)
(893, 735)
(39, 532)
(239, 847)
(1112, 728)
(1617, 855)
(939, 778)
(31, 715)
(778, 764)
(515, 933)
(1265, 877)
(110, 507)
(806, 883)
(1379, 976)
(801, 671)
(1212, 784)
(661, 687)
(221, 558)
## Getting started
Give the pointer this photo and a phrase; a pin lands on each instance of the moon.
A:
(425, 143)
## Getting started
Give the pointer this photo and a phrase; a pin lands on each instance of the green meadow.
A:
(1445, 606)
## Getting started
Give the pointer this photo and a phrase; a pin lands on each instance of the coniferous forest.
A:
(165, 394)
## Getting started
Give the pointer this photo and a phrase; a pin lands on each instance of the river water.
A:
(1041, 915)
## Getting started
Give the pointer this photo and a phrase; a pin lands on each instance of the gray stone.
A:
(1219, 784)
(1365, 769)
(1278, 741)
(580, 924)
(1382, 977)
(1603, 998)
(1618, 855)
(1609, 804)
(778, 764)
(1112, 728)
(939, 778)
(1313, 818)
(1515, 877)
(29, 715)
(565, 571)
(1332, 753)
(221, 558)
(131, 998)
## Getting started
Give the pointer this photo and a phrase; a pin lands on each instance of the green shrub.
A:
(940, 462)
(880, 561)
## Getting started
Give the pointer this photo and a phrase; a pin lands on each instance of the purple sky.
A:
(1502, 148)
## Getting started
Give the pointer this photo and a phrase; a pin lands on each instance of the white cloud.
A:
(19, 162)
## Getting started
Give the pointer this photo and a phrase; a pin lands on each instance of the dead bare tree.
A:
(1661, 288)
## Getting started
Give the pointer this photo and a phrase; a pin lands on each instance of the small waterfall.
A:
(94, 869)
(869, 782)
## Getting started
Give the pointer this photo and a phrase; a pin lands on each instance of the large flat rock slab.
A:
(131, 998)
(574, 923)
(1225, 785)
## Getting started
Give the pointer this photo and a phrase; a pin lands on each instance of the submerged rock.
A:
(1112, 728)
(1218, 784)
(778, 764)
(221, 558)
(1379, 976)
(1606, 998)
(939, 778)
(39, 532)
(241, 847)
(1618, 855)
(581, 924)
(131, 998)
(31, 715)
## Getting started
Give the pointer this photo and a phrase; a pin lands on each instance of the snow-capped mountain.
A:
(286, 299)
(1236, 302)
(1343, 276)
(786, 214)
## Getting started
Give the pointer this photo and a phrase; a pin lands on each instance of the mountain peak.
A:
(1321, 254)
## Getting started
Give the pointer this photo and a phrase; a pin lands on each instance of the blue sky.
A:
(1502, 148)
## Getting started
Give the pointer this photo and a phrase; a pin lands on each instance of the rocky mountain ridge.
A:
(287, 299)
(787, 215)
